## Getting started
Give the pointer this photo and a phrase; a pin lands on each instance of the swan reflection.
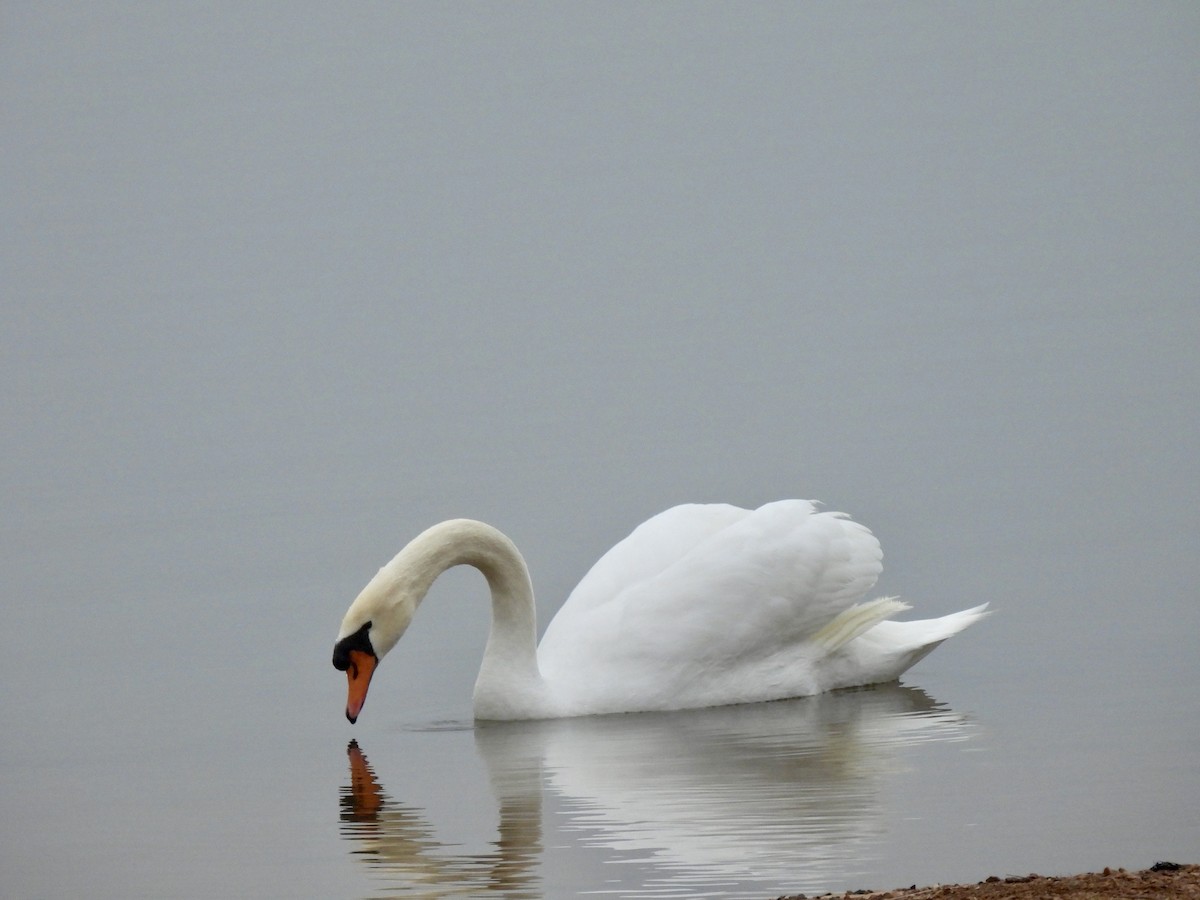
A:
(771, 795)
(397, 840)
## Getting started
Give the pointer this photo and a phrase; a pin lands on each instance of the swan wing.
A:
(652, 547)
(752, 588)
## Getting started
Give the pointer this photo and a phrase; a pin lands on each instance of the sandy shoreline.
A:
(1163, 880)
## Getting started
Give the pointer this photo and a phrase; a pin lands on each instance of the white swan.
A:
(702, 605)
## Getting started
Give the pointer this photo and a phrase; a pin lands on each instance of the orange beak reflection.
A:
(358, 675)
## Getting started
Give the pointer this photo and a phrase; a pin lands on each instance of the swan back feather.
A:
(731, 618)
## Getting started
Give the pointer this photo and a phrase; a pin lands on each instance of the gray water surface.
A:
(283, 288)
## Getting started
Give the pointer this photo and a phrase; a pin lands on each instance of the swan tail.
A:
(900, 645)
(852, 622)
(937, 630)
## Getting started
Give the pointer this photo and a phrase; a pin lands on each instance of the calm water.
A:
(718, 801)
(201, 749)
(281, 289)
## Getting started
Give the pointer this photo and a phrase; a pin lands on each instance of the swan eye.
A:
(360, 640)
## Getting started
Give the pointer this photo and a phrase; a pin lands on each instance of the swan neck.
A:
(509, 680)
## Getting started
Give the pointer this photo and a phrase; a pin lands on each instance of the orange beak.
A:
(358, 674)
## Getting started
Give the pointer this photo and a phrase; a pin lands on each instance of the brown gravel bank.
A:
(1162, 881)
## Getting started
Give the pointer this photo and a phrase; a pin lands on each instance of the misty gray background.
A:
(283, 285)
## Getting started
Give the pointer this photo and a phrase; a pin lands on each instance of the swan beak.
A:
(358, 675)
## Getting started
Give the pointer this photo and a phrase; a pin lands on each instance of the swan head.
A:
(373, 625)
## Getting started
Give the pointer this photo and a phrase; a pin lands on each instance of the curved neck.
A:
(509, 683)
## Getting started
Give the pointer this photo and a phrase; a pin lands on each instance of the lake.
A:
(282, 290)
(198, 748)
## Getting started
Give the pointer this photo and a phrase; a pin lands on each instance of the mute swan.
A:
(702, 605)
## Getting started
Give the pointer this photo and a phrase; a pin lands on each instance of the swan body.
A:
(702, 605)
